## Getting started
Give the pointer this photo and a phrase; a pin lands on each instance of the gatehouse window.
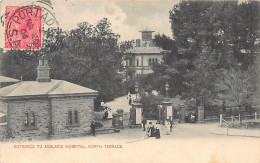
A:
(70, 117)
(76, 117)
(33, 120)
(30, 121)
(73, 118)
(26, 119)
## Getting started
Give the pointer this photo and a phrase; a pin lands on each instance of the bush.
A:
(150, 106)
(98, 125)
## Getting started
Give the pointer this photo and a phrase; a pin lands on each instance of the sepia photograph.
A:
(130, 81)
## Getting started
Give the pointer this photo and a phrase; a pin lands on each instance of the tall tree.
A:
(90, 56)
(208, 37)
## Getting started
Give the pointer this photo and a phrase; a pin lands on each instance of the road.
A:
(187, 143)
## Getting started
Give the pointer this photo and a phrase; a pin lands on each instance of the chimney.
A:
(138, 43)
(43, 71)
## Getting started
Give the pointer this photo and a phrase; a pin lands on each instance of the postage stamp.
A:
(23, 28)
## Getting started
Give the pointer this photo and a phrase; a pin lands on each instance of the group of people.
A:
(107, 114)
(131, 99)
(154, 130)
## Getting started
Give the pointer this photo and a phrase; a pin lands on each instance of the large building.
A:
(48, 108)
(144, 54)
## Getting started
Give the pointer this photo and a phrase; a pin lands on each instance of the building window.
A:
(30, 121)
(130, 61)
(26, 120)
(76, 117)
(33, 120)
(156, 60)
(153, 60)
(137, 61)
(150, 62)
(73, 118)
(70, 117)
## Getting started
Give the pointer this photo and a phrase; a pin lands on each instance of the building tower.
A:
(147, 39)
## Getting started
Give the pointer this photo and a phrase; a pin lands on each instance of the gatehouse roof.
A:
(4, 79)
(54, 88)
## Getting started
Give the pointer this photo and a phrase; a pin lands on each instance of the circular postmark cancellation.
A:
(33, 29)
(23, 27)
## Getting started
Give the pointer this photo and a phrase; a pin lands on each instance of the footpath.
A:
(242, 132)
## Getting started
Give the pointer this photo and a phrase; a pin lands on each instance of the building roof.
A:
(146, 30)
(4, 79)
(55, 88)
(146, 50)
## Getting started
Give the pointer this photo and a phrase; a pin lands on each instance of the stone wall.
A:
(60, 110)
(16, 117)
(47, 127)
(3, 131)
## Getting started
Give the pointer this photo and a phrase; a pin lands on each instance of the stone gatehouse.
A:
(48, 108)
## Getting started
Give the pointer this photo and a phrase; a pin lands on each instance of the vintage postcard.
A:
(129, 81)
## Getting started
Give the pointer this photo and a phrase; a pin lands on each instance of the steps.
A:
(136, 126)
(107, 130)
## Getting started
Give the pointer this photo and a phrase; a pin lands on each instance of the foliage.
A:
(150, 105)
(237, 86)
(208, 37)
(89, 56)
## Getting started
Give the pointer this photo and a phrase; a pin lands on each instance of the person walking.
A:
(152, 129)
(105, 115)
(102, 105)
(171, 123)
(109, 114)
(93, 128)
(144, 123)
(149, 129)
(167, 127)
(157, 130)
(130, 100)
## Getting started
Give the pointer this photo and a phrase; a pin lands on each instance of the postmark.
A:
(23, 27)
(51, 35)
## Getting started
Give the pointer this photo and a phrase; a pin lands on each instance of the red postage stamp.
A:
(23, 28)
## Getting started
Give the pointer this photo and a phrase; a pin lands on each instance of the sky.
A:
(127, 17)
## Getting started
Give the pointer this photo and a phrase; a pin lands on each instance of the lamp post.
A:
(166, 112)
(136, 90)
(167, 89)
(136, 110)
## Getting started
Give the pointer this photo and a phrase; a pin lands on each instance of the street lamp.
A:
(167, 89)
(136, 89)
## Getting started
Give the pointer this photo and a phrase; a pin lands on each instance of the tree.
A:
(90, 56)
(236, 86)
(150, 105)
(208, 37)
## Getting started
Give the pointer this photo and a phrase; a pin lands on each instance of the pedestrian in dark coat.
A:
(152, 130)
(93, 128)
(157, 130)
(130, 100)
(149, 129)
(144, 123)
(106, 115)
